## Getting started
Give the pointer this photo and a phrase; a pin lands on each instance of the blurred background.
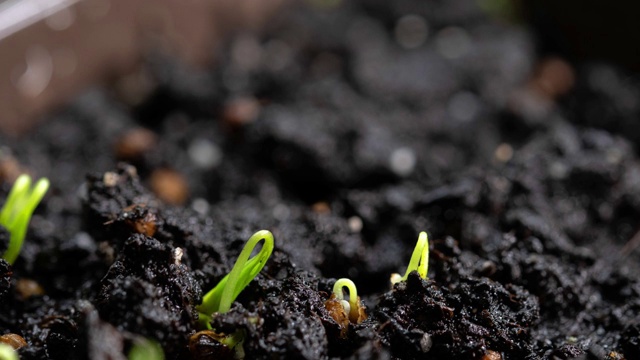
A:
(333, 104)
(54, 50)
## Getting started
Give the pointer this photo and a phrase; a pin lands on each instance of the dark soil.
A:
(345, 137)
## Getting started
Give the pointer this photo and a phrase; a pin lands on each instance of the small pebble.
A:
(503, 153)
(403, 161)
(355, 224)
(110, 179)
(205, 154)
(177, 255)
(411, 31)
(426, 343)
(281, 212)
(200, 205)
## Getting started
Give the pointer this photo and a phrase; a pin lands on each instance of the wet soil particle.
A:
(463, 321)
(149, 292)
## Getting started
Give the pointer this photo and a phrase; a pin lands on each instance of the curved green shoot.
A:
(419, 259)
(145, 349)
(17, 211)
(350, 307)
(7, 352)
(220, 298)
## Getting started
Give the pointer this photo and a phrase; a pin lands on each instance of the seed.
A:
(134, 143)
(492, 355)
(27, 288)
(170, 186)
(14, 340)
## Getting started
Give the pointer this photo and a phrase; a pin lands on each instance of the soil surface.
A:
(345, 130)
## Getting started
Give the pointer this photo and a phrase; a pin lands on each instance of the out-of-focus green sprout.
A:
(17, 211)
(7, 352)
(145, 349)
(419, 260)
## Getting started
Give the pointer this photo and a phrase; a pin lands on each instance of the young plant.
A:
(220, 298)
(353, 308)
(145, 349)
(17, 211)
(419, 260)
(342, 311)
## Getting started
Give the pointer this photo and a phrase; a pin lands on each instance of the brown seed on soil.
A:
(241, 111)
(492, 355)
(110, 179)
(337, 313)
(170, 186)
(14, 340)
(27, 288)
(554, 78)
(10, 168)
(321, 207)
(142, 225)
(134, 143)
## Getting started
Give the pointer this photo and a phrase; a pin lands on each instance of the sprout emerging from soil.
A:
(145, 349)
(419, 260)
(351, 307)
(17, 211)
(7, 352)
(220, 298)
(343, 311)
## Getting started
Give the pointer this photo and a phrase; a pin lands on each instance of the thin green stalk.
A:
(17, 211)
(145, 349)
(220, 298)
(420, 257)
(338, 288)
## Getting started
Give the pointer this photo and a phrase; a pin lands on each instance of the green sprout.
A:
(7, 352)
(351, 307)
(419, 260)
(220, 298)
(17, 211)
(145, 349)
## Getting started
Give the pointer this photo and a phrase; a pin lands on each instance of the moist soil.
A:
(345, 131)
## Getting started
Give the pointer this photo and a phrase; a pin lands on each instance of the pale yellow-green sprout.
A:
(351, 307)
(17, 210)
(419, 260)
(7, 352)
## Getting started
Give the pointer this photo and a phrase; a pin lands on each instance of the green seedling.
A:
(419, 260)
(351, 307)
(7, 352)
(220, 298)
(145, 349)
(17, 211)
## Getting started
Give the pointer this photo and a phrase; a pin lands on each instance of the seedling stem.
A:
(17, 211)
(419, 260)
(350, 307)
(220, 298)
